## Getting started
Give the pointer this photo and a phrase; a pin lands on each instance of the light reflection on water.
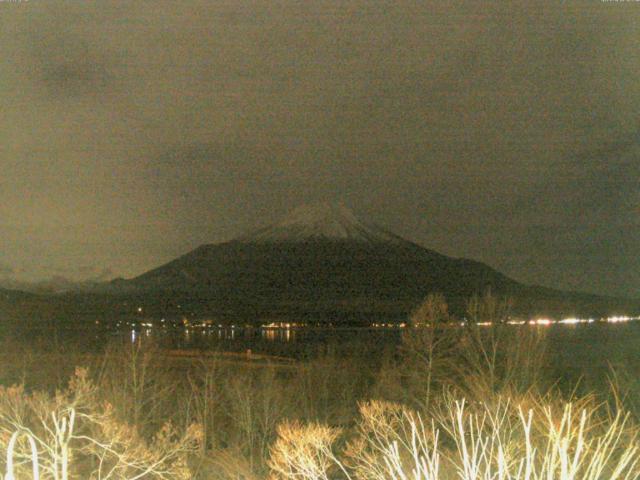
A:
(571, 344)
(278, 335)
(562, 333)
(190, 335)
(574, 345)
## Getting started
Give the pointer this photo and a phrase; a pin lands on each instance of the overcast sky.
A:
(508, 132)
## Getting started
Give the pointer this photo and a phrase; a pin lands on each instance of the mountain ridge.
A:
(319, 221)
(321, 265)
(324, 255)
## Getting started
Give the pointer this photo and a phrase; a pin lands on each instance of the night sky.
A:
(507, 132)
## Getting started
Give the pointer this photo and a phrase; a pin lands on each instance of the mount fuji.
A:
(321, 259)
(323, 221)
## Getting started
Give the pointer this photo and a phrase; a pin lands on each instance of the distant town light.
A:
(571, 321)
(542, 321)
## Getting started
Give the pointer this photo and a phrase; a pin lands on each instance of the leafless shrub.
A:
(78, 435)
(304, 452)
(430, 351)
(391, 441)
(480, 442)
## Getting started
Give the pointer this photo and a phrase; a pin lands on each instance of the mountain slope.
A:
(322, 257)
(322, 221)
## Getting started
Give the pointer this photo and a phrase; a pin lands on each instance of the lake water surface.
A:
(582, 345)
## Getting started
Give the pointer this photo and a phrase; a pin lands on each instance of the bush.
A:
(76, 435)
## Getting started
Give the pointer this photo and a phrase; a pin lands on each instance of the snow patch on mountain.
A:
(320, 221)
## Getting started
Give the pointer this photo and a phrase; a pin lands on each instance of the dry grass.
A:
(471, 403)
(486, 442)
(73, 434)
(304, 451)
(475, 404)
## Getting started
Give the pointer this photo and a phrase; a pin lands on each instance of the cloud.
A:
(130, 135)
(6, 270)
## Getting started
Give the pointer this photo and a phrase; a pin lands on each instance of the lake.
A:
(591, 345)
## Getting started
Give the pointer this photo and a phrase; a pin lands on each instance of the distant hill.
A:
(16, 304)
(321, 258)
(55, 284)
(320, 263)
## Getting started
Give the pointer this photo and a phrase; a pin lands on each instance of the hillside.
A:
(322, 258)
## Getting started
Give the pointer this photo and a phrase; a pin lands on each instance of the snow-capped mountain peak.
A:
(320, 221)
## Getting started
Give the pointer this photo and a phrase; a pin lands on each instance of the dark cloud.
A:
(506, 132)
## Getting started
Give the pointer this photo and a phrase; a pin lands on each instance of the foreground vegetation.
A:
(450, 403)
